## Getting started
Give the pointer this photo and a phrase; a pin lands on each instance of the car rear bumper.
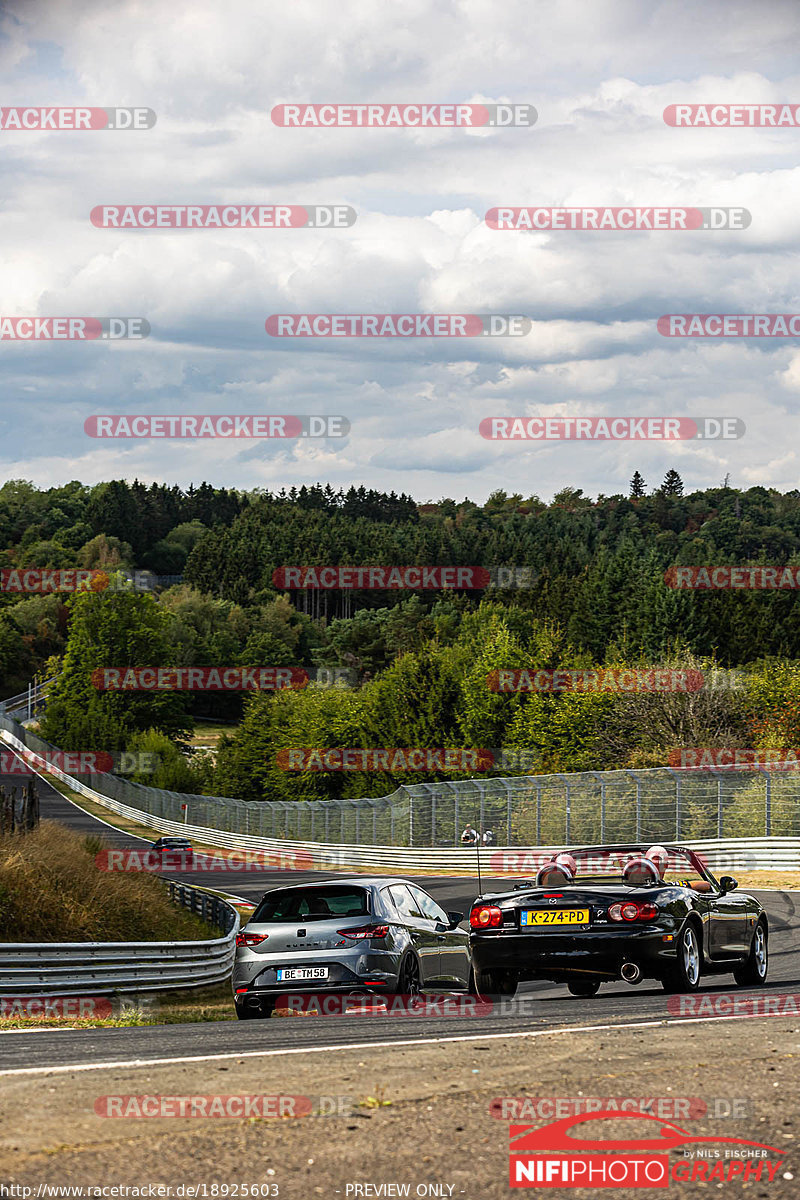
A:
(552, 956)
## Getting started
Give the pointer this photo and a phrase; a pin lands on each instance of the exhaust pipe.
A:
(630, 972)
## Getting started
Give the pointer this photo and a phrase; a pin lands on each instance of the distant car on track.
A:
(357, 936)
(175, 852)
(608, 912)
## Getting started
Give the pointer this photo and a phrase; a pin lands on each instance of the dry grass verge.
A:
(51, 890)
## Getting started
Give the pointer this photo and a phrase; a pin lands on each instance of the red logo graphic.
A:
(549, 1156)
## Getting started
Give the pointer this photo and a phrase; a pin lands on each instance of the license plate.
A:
(556, 916)
(286, 973)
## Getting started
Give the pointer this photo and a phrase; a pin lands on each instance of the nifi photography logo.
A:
(552, 1156)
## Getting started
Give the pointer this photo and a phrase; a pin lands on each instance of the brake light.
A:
(365, 931)
(486, 916)
(632, 910)
(250, 939)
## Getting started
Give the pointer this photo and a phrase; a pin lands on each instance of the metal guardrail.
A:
(26, 704)
(659, 804)
(103, 968)
(732, 854)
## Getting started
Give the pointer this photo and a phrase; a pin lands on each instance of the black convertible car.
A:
(608, 912)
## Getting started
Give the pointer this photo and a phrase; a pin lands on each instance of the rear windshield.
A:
(174, 844)
(311, 904)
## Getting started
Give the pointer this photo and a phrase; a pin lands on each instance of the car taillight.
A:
(250, 939)
(632, 910)
(486, 916)
(365, 931)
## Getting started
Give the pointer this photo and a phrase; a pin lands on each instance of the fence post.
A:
(538, 814)
(456, 821)
(568, 807)
(767, 803)
(509, 794)
(719, 806)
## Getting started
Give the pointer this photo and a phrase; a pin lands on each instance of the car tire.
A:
(583, 987)
(685, 975)
(754, 970)
(409, 978)
(495, 984)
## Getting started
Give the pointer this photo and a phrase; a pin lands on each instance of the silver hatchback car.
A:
(359, 936)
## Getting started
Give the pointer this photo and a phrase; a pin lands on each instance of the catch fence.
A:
(660, 804)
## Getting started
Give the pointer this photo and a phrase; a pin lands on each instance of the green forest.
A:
(420, 659)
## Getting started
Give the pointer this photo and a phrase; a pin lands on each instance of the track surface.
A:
(538, 1007)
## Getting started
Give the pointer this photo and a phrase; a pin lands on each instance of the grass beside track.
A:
(52, 890)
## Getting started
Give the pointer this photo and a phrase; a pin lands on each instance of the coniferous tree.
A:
(673, 484)
(637, 486)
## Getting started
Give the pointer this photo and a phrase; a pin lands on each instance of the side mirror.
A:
(455, 918)
(728, 883)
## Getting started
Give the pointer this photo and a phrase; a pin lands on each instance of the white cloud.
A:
(600, 76)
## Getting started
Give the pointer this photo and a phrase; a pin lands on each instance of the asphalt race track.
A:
(538, 1008)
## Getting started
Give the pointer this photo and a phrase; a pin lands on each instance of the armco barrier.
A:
(731, 854)
(103, 968)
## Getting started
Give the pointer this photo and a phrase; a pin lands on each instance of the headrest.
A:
(554, 874)
(639, 872)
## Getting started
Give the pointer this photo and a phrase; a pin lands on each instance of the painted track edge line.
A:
(63, 1069)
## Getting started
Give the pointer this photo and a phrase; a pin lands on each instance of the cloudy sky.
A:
(599, 72)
